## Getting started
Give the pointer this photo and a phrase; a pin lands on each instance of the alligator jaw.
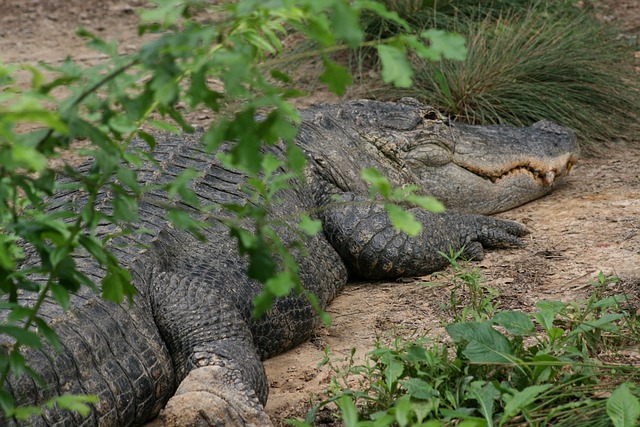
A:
(546, 175)
(491, 169)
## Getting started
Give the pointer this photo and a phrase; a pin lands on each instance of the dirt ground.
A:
(590, 223)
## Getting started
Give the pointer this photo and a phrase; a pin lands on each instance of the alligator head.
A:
(475, 169)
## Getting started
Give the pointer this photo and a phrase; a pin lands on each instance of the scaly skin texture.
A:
(189, 343)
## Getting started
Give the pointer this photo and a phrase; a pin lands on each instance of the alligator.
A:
(188, 348)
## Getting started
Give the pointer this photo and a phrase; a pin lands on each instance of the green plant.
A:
(524, 67)
(515, 368)
(469, 299)
(237, 44)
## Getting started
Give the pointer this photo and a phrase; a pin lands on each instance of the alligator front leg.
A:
(362, 233)
(222, 379)
(195, 297)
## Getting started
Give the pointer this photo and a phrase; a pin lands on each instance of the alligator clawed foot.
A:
(205, 399)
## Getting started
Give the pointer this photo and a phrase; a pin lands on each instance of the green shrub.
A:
(515, 368)
(557, 64)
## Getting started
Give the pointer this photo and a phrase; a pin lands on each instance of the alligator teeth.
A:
(549, 177)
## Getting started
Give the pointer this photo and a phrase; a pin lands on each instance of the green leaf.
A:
(380, 10)
(420, 389)
(623, 407)
(117, 284)
(515, 322)
(280, 285)
(262, 266)
(396, 68)
(336, 77)
(122, 124)
(426, 202)
(485, 393)
(26, 412)
(379, 183)
(403, 410)
(296, 159)
(7, 402)
(75, 403)
(95, 248)
(61, 295)
(349, 411)
(519, 401)
(445, 44)
(393, 369)
(21, 335)
(29, 157)
(484, 344)
(310, 226)
(49, 334)
(403, 220)
(346, 24)
(181, 182)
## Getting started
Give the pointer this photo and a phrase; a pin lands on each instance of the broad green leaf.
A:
(336, 77)
(117, 284)
(167, 13)
(183, 220)
(296, 159)
(396, 68)
(7, 260)
(29, 157)
(403, 410)
(262, 266)
(403, 220)
(125, 208)
(164, 126)
(122, 124)
(515, 322)
(446, 44)
(349, 411)
(280, 285)
(623, 407)
(484, 344)
(346, 24)
(544, 366)
(485, 393)
(418, 388)
(393, 369)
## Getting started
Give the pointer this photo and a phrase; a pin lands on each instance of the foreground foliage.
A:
(220, 57)
(503, 368)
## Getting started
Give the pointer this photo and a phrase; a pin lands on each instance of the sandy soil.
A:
(591, 223)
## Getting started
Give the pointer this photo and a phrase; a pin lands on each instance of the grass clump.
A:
(526, 61)
(549, 367)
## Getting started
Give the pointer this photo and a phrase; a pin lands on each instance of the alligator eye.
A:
(431, 115)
